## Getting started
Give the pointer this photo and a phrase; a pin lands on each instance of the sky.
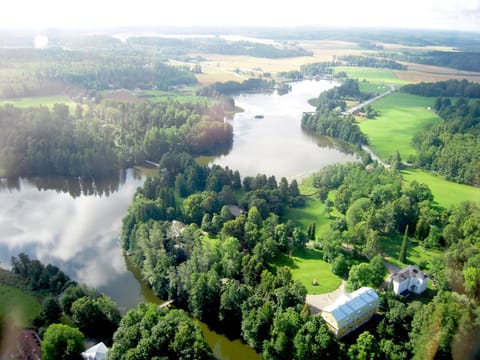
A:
(437, 14)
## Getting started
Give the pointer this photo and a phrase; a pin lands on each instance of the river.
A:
(75, 225)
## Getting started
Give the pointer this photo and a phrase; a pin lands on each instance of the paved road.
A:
(369, 101)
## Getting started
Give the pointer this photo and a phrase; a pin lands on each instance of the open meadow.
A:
(401, 116)
(446, 193)
(307, 266)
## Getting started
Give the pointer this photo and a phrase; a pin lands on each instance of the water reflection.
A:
(75, 187)
(275, 143)
(74, 226)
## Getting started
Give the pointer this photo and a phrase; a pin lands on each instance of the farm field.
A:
(307, 266)
(401, 117)
(446, 193)
(37, 101)
(376, 76)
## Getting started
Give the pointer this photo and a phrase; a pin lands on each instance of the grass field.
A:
(186, 95)
(416, 254)
(446, 193)
(372, 75)
(37, 101)
(401, 117)
(22, 306)
(371, 87)
(307, 266)
(313, 211)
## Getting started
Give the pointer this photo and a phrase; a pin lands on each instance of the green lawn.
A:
(313, 211)
(446, 193)
(379, 76)
(18, 304)
(401, 117)
(37, 101)
(373, 87)
(307, 266)
(415, 252)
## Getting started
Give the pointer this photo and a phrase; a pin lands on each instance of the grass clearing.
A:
(401, 117)
(307, 266)
(314, 210)
(37, 101)
(446, 193)
(373, 87)
(416, 254)
(21, 306)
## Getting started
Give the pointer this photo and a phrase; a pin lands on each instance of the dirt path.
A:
(318, 302)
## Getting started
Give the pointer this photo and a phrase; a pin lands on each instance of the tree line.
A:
(328, 119)
(104, 138)
(451, 147)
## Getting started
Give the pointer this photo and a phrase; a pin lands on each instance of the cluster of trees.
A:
(452, 147)
(149, 332)
(448, 88)
(97, 142)
(373, 202)
(117, 72)
(370, 61)
(227, 278)
(328, 120)
(376, 205)
(235, 87)
(461, 60)
(318, 68)
(41, 278)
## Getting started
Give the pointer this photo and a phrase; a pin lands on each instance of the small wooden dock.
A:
(166, 304)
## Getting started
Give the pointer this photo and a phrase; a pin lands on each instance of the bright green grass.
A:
(415, 252)
(380, 76)
(371, 87)
(307, 266)
(446, 193)
(37, 101)
(401, 117)
(22, 306)
(314, 210)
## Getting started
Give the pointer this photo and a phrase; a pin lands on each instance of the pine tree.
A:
(403, 251)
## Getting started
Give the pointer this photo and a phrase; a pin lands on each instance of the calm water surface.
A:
(276, 144)
(76, 225)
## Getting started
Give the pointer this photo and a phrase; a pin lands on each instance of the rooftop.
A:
(348, 304)
(408, 273)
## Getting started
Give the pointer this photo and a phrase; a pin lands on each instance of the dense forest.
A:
(328, 119)
(464, 60)
(106, 137)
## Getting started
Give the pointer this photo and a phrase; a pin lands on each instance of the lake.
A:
(75, 225)
(276, 144)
